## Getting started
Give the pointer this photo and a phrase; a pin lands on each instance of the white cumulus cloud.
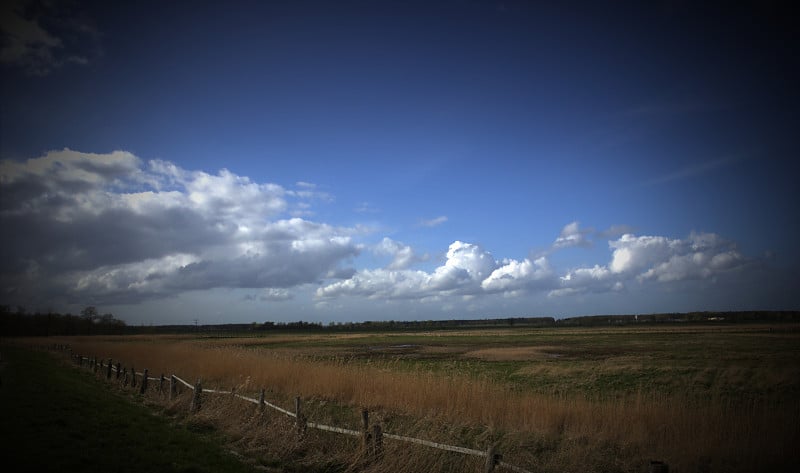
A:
(514, 275)
(632, 254)
(402, 255)
(571, 235)
(595, 279)
(465, 267)
(470, 271)
(701, 256)
(655, 258)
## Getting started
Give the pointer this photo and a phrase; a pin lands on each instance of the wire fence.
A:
(373, 437)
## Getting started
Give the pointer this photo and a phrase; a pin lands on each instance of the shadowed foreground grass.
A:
(55, 418)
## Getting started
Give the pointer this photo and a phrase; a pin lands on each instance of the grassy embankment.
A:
(56, 418)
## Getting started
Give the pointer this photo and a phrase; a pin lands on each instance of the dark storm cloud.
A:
(39, 37)
(99, 227)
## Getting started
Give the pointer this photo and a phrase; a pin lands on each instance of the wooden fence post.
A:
(144, 382)
(261, 399)
(161, 383)
(300, 422)
(125, 377)
(366, 438)
(119, 368)
(173, 387)
(133, 377)
(198, 389)
(377, 441)
(492, 458)
(108, 372)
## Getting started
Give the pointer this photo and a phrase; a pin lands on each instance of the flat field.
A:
(699, 397)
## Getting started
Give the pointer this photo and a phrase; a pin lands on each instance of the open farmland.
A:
(701, 398)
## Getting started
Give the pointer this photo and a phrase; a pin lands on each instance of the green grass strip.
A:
(60, 419)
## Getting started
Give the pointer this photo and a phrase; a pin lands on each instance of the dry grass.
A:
(536, 431)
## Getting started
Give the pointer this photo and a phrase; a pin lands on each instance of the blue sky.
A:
(334, 161)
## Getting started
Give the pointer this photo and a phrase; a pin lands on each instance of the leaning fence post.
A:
(144, 382)
(108, 371)
(198, 389)
(173, 387)
(492, 458)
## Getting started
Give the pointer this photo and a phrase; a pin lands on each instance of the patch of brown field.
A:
(514, 353)
(541, 352)
(441, 350)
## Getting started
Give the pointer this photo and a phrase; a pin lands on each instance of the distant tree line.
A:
(748, 316)
(390, 325)
(528, 322)
(19, 322)
(90, 322)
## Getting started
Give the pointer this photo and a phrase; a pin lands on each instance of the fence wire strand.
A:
(184, 382)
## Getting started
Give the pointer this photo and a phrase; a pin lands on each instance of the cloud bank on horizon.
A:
(112, 229)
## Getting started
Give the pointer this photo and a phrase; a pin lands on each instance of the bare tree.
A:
(90, 313)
